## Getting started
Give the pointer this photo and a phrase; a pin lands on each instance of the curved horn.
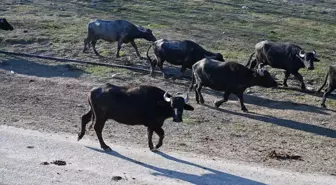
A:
(186, 99)
(301, 53)
(165, 97)
(260, 72)
(259, 66)
(314, 52)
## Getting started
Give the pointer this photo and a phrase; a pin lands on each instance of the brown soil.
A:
(278, 120)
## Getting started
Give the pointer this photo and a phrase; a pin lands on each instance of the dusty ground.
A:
(282, 123)
(33, 153)
(51, 100)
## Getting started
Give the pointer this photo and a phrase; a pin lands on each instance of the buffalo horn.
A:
(314, 52)
(301, 53)
(260, 72)
(165, 97)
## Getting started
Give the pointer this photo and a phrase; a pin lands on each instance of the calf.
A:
(230, 77)
(141, 105)
(289, 57)
(331, 79)
(4, 25)
(118, 30)
(184, 53)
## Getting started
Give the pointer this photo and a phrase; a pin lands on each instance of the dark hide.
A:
(331, 80)
(140, 105)
(230, 77)
(183, 53)
(4, 25)
(289, 57)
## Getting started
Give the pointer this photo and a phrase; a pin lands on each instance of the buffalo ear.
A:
(188, 107)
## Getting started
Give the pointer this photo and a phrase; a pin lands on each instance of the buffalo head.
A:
(147, 34)
(263, 78)
(308, 58)
(178, 103)
(4, 25)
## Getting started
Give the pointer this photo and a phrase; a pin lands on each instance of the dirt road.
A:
(22, 152)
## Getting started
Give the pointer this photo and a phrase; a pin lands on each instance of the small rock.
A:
(244, 7)
(30, 147)
(59, 162)
(44, 163)
(116, 178)
(12, 72)
(25, 31)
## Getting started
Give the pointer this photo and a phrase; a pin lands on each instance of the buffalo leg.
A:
(225, 99)
(135, 48)
(119, 47)
(325, 95)
(286, 78)
(153, 65)
(300, 78)
(241, 99)
(183, 69)
(196, 94)
(98, 126)
(160, 65)
(198, 90)
(160, 133)
(150, 136)
(85, 119)
(94, 42)
(86, 45)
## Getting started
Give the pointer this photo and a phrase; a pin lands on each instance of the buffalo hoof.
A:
(80, 136)
(217, 104)
(154, 150)
(107, 149)
(244, 110)
(323, 106)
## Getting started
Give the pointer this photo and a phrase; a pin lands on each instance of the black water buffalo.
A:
(140, 105)
(289, 57)
(230, 77)
(331, 79)
(118, 30)
(184, 53)
(4, 25)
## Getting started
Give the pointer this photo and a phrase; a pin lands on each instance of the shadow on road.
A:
(283, 122)
(214, 177)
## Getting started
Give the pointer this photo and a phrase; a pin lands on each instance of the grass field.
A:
(223, 26)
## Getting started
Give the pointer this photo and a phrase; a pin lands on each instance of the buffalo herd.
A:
(151, 106)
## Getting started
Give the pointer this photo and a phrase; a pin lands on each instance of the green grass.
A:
(221, 25)
(103, 71)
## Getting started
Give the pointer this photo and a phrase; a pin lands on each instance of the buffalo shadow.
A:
(209, 178)
(314, 129)
(29, 67)
(269, 103)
